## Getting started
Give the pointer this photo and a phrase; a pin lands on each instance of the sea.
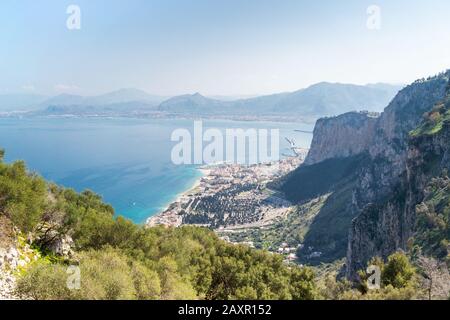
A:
(126, 161)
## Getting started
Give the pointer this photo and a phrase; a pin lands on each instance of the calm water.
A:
(127, 161)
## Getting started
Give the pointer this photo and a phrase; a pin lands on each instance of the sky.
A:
(218, 47)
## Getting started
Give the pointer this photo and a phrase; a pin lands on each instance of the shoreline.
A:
(196, 184)
(219, 178)
(262, 118)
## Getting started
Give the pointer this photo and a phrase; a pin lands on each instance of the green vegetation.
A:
(323, 192)
(22, 196)
(399, 281)
(432, 236)
(332, 181)
(118, 259)
(121, 260)
(434, 120)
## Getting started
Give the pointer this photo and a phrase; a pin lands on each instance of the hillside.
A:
(322, 99)
(403, 151)
(46, 229)
(47, 233)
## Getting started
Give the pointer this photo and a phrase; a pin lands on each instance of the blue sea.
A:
(126, 161)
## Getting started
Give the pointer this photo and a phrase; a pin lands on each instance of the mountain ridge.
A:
(318, 100)
(321, 99)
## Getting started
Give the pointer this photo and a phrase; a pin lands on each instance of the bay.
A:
(127, 161)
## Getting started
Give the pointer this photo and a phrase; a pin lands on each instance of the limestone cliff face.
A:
(383, 136)
(387, 225)
(389, 185)
(343, 136)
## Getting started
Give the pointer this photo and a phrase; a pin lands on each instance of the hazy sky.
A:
(225, 47)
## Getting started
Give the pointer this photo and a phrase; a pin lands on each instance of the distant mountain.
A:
(123, 101)
(20, 102)
(322, 99)
(114, 109)
(114, 97)
(335, 98)
(193, 103)
(319, 100)
(233, 97)
(63, 100)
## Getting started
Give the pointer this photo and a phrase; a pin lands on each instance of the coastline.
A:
(281, 118)
(154, 220)
(221, 179)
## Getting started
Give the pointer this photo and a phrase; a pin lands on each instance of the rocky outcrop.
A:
(342, 136)
(9, 261)
(12, 259)
(49, 237)
(389, 185)
(393, 182)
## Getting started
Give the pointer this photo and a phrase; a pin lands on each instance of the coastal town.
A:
(233, 197)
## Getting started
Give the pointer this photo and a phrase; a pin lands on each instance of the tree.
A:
(146, 282)
(303, 285)
(398, 271)
(23, 196)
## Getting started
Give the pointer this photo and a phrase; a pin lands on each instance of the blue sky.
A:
(226, 47)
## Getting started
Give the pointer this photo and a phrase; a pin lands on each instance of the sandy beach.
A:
(163, 217)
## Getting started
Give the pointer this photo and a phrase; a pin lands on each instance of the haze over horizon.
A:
(228, 48)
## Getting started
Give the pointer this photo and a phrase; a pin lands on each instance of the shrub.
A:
(44, 281)
(23, 196)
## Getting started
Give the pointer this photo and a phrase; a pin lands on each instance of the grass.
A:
(430, 127)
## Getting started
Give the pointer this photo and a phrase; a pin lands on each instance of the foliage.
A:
(432, 236)
(121, 260)
(434, 120)
(399, 281)
(398, 272)
(23, 196)
(44, 281)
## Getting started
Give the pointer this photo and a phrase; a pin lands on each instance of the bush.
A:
(44, 281)
(106, 275)
(398, 271)
(23, 196)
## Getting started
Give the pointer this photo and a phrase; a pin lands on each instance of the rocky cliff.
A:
(343, 136)
(390, 184)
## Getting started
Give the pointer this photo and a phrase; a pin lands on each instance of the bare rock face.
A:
(387, 187)
(62, 246)
(50, 237)
(342, 136)
(9, 261)
(391, 184)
